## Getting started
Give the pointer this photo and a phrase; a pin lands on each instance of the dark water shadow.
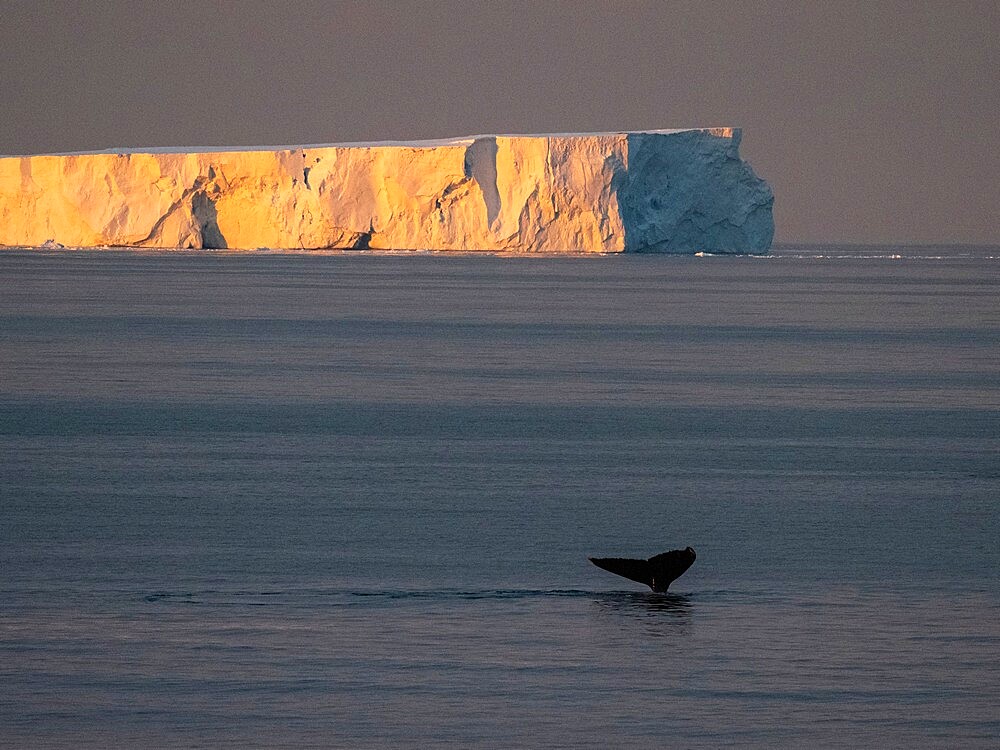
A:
(349, 597)
(661, 614)
(645, 602)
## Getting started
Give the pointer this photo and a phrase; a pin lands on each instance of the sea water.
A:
(255, 500)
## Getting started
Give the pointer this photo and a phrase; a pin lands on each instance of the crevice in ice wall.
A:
(207, 217)
(481, 165)
(364, 239)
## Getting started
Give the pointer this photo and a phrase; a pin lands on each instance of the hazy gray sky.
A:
(873, 121)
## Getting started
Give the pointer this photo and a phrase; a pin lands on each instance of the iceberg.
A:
(661, 191)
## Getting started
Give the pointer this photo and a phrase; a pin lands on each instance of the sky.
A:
(874, 122)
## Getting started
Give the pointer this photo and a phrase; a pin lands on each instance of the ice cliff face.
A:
(658, 191)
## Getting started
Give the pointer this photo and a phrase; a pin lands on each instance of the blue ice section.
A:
(691, 192)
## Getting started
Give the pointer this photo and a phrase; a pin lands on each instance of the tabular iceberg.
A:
(671, 191)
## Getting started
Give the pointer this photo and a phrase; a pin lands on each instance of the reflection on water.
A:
(642, 602)
(659, 614)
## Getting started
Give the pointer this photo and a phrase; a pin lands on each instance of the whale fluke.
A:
(658, 572)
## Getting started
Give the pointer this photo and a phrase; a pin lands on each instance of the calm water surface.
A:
(347, 500)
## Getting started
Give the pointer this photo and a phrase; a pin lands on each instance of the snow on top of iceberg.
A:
(725, 132)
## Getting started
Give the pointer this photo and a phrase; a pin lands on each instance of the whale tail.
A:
(658, 572)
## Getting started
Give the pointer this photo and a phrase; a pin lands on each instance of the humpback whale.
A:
(658, 572)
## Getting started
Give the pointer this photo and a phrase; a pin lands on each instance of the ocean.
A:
(347, 500)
